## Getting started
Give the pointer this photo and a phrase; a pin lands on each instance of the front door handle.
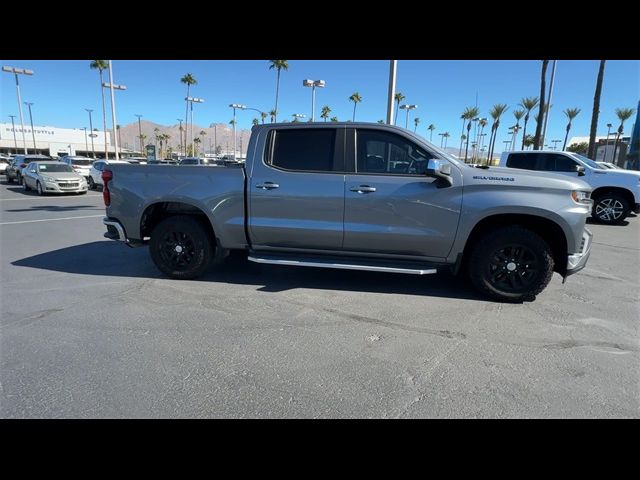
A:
(267, 185)
(363, 189)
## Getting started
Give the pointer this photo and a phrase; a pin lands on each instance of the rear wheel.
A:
(610, 208)
(9, 179)
(511, 264)
(92, 184)
(181, 247)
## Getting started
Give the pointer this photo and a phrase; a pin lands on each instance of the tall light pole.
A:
(606, 147)
(13, 127)
(241, 107)
(111, 86)
(555, 142)
(393, 66)
(313, 84)
(92, 135)
(33, 133)
(191, 101)
(407, 108)
(548, 106)
(140, 132)
(21, 71)
(86, 141)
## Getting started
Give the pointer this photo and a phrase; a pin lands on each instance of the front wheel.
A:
(181, 247)
(24, 185)
(39, 189)
(92, 184)
(511, 264)
(610, 209)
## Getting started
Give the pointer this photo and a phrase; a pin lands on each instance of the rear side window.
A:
(304, 150)
(526, 161)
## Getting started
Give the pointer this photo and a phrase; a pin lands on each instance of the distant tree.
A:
(469, 114)
(272, 114)
(196, 142)
(325, 112)
(623, 115)
(278, 65)
(527, 141)
(518, 114)
(263, 115)
(528, 103)
(398, 98)
(355, 98)
(334, 119)
(445, 135)
(380, 121)
(102, 65)
(570, 113)
(431, 128)
(580, 148)
(255, 122)
(495, 113)
(188, 80)
(416, 122)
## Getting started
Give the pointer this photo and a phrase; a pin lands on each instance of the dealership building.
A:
(56, 141)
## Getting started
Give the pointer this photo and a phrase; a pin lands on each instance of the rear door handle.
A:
(267, 185)
(363, 189)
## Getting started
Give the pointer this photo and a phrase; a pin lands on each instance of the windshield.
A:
(55, 168)
(588, 161)
(81, 161)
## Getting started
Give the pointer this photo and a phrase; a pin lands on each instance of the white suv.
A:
(615, 192)
(80, 165)
(95, 173)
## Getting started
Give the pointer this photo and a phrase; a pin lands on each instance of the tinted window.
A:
(387, 153)
(557, 163)
(304, 150)
(526, 161)
(62, 167)
(80, 161)
(98, 166)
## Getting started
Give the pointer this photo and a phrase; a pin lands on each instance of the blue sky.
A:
(62, 89)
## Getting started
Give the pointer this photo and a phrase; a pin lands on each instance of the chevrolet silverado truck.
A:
(357, 196)
(615, 192)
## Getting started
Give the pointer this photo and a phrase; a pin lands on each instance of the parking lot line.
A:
(51, 219)
(45, 198)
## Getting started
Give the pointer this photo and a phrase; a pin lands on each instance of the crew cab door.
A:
(391, 206)
(296, 189)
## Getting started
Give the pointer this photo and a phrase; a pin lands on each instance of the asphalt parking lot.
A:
(90, 329)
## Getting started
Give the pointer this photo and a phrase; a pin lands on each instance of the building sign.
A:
(51, 134)
(151, 152)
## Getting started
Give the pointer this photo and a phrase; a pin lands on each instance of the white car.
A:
(615, 193)
(4, 162)
(52, 177)
(95, 172)
(80, 165)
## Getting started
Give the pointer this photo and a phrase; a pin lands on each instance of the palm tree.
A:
(462, 134)
(380, 121)
(623, 115)
(325, 112)
(278, 65)
(398, 98)
(431, 128)
(166, 137)
(156, 136)
(196, 143)
(416, 122)
(528, 103)
(469, 114)
(495, 113)
(101, 65)
(482, 123)
(263, 115)
(188, 80)
(272, 114)
(334, 119)
(541, 107)
(571, 113)
(355, 98)
(445, 136)
(527, 141)
(518, 114)
(255, 122)
(591, 153)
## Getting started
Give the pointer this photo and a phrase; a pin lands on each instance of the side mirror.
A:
(439, 169)
(580, 169)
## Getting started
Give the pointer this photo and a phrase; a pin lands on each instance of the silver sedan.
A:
(52, 177)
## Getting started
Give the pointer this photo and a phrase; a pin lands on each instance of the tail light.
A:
(107, 176)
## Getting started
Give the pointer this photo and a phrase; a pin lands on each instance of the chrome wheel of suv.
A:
(610, 208)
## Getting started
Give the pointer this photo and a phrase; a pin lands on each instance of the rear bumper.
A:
(115, 231)
(577, 261)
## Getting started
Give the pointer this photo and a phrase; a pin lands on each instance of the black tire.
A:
(92, 184)
(18, 178)
(24, 185)
(610, 208)
(9, 179)
(181, 247)
(41, 192)
(497, 265)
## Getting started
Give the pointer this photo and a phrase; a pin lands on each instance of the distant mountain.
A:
(220, 134)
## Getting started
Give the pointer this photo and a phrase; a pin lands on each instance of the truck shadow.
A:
(108, 258)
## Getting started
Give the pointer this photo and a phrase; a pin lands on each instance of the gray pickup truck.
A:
(357, 196)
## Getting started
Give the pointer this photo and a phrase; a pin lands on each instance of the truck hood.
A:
(525, 178)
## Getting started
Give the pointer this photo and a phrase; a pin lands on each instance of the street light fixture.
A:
(606, 147)
(407, 108)
(33, 133)
(313, 84)
(191, 101)
(140, 133)
(555, 142)
(296, 116)
(13, 127)
(16, 72)
(241, 107)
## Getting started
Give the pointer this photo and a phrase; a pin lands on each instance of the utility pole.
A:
(393, 67)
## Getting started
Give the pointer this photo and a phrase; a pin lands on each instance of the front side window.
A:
(526, 161)
(558, 163)
(389, 154)
(304, 150)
